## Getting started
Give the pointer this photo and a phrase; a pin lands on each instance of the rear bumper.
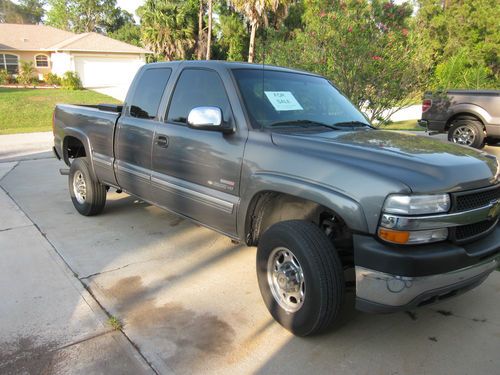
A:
(433, 126)
(380, 292)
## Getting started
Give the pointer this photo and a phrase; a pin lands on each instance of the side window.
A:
(197, 88)
(148, 93)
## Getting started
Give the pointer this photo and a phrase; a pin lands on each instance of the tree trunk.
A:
(199, 52)
(209, 32)
(251, 48)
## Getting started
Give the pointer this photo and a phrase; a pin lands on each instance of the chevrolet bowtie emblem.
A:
(495, 209)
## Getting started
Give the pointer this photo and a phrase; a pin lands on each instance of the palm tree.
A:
(199, 41)
(168, 27)
(255, 13)
(209, 32)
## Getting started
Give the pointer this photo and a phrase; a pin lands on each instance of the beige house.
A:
(99, 61)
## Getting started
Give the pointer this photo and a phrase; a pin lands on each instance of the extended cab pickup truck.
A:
(470, 117)
(281, 159)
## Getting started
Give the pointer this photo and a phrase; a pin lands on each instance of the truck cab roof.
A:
(229, 65)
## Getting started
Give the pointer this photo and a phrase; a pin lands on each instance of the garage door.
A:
(106, 72)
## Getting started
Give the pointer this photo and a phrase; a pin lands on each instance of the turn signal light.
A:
(395, 236)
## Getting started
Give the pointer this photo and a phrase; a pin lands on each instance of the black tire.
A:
(322, 270)
(95, 194)
(473, 126)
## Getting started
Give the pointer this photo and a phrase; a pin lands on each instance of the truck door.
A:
(197, 172)
(135, 131)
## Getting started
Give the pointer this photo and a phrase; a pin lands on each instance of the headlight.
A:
(400, 211)
(417, 204)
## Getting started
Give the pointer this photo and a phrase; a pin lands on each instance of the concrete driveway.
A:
(117, 92)
(189, 301)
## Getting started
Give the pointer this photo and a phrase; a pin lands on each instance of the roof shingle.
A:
(48, 38)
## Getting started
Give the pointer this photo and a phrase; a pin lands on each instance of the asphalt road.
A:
(189, 301)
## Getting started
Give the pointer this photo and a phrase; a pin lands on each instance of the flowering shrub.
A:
(364, 46)
(52, 79)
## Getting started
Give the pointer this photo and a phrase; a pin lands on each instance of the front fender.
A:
(260, 182)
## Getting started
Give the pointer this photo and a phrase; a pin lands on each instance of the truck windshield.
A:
(276, 98)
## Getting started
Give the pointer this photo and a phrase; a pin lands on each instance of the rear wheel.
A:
(88, 196)
(300, 277)
(467, 131)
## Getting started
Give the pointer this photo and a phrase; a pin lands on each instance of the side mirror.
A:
(207, 118)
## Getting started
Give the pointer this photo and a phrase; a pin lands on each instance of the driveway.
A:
(117, 92)
(189, 301)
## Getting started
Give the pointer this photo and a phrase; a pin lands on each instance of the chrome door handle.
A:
(162, 141)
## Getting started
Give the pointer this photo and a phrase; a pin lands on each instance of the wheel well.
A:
(268, 208)
(462, 114)
(73, 148)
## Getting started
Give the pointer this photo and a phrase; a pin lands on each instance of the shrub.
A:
(71, 81)
(26, 76)
(462, 72)
(52, 79)
(12, 80)
(4, 77)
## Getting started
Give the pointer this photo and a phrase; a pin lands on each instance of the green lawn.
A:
(402, 125)
(30, 110)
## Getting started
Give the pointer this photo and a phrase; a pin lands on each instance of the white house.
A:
(99, 61)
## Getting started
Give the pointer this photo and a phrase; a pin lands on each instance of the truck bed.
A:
(95, 124)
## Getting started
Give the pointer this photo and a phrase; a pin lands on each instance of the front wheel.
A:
(467, 131)
(88, 196)
(300, 277)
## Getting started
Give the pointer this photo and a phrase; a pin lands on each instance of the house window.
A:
(42, 61)
(10, 63)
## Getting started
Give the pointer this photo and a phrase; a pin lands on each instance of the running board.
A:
(64, 171)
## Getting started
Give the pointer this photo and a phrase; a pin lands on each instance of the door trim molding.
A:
(208, 200)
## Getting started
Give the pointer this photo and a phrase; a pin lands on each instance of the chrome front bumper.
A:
(382, 292)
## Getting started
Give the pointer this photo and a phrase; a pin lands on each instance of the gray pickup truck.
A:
(470, 117)
(280, 159)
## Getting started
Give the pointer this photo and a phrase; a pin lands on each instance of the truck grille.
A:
(479, 198)
(469, 232)
(470, 200)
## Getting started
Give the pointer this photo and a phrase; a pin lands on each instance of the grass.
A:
(402, 125)
(30, 110)
(115, 323)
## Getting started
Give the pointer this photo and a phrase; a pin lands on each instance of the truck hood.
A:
(423, 164)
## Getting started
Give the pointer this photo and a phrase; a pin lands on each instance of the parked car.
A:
(281, 159)
(470, 117)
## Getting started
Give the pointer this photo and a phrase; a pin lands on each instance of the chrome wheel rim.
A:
(286, 279)
(79, 187)
(464, 135)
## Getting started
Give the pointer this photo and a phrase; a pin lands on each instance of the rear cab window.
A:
(148, 93)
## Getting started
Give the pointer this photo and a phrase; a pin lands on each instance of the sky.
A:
(130, 5)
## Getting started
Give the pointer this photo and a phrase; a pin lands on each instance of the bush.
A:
(462, 72)
(71, 81)
(26, 76)
(52, 79)
(4, 77)
(12, 80)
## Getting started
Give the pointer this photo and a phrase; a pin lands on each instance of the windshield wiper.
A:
(352, 124)
(303, 123)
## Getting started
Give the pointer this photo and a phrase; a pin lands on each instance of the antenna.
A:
(264, 41)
